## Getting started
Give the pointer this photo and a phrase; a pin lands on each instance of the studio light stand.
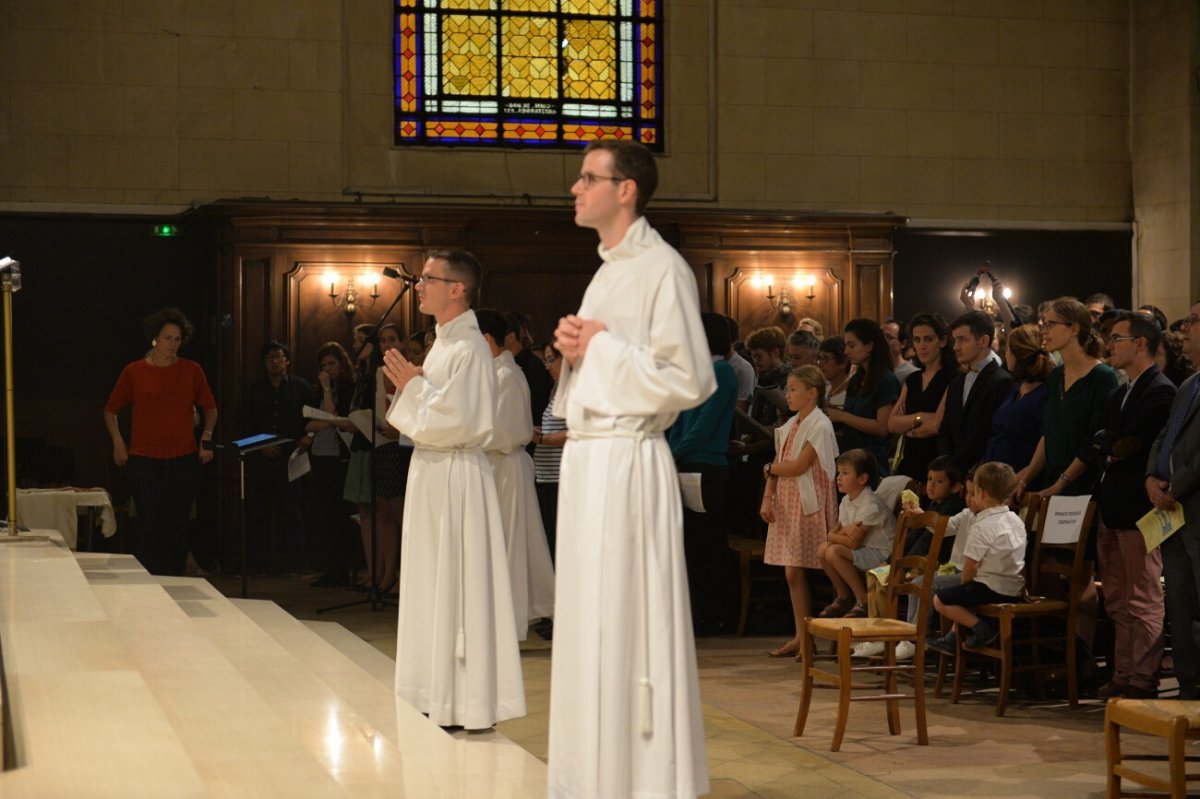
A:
(375, 597)
(10, 276)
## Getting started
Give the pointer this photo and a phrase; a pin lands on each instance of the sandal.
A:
(786, 651)
(859, 611)
(837, 608)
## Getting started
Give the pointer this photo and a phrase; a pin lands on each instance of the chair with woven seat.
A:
(890, 630)
(1176, 720)
(1032, 510)
(1044, 622)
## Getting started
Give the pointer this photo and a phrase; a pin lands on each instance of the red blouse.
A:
(163, 398)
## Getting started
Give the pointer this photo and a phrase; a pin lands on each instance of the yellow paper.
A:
(908, 497)
(881, 573)
(1158, 525)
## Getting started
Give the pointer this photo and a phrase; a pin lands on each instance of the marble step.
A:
(370, 659)
(338, 664)
(87, 721)
(242, 741)
(415, 756)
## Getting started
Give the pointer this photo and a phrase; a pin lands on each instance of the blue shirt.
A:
(701, 435)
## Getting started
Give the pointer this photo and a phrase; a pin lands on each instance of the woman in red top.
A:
(164, 460)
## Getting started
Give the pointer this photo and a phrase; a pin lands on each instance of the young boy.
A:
(943, 489)
(993, 560)
(863, 538)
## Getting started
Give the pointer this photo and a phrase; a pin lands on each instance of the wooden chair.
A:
(1178, 721)
(1032, 508)
(889, 630)
(749, 552)
(1055, 578)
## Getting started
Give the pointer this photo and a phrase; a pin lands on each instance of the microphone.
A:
(396, 275)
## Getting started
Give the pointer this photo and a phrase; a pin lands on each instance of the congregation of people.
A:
(799, 432)
(451, 458)
(1072, 398)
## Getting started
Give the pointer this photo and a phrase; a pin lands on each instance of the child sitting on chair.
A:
(944, 491)
(993, 560)
(863, 538)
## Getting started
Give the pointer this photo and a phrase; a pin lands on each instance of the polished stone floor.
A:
(1037, 750)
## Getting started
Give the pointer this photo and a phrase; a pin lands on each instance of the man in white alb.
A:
(624, 694)
(456, 644)
(529, 562)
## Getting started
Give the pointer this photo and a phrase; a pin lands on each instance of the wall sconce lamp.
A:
(350, 299)
(783, 300)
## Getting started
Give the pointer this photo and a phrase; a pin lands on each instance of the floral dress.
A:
(793, 538)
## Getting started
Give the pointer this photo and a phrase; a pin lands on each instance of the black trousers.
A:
(712, 577)
(336, 536)
(163, 490)
(547, 495)
(270, 494)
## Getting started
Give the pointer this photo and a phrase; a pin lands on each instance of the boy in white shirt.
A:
(863, 538)
(993, 560)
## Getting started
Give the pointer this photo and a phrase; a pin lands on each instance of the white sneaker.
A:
(870, 649)
(905, 650)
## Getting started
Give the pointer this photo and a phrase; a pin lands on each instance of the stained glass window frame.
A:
(426, 114)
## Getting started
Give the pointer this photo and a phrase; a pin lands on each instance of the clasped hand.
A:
(573, 336)
(399, 369)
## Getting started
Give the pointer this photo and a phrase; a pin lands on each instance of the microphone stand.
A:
(375, 597)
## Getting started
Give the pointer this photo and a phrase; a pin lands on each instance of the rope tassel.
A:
(645, 705)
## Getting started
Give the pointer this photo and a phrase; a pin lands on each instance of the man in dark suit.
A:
(974, 395)
(1134, 415)
(1173, 474)
(541, 384)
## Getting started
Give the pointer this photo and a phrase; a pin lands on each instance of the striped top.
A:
(546, 460)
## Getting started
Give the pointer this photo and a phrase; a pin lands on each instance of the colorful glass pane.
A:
(466, 130)
(530, 6)
(527, 73)
(406, 66)
(468, 5)
(589, 60)
(590, 6)
(648, 87)
(531, 131)
(529, 67)
(468, 54)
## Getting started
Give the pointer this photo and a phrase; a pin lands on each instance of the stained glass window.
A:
(528, 73)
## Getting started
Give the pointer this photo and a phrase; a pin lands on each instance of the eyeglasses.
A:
(1049, 323)
(1114, 338)
(1191, 320)
(427, 278)
(590, 180)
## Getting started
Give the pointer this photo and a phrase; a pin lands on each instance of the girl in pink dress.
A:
(800, 503)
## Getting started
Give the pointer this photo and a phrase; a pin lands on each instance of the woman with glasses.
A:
(917, 415)
(1075, 395)
(836, 367)
(870, 394)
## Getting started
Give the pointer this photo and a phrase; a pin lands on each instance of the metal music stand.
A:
(243, 447)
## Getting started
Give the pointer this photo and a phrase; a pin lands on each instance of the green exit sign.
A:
(166, 230)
